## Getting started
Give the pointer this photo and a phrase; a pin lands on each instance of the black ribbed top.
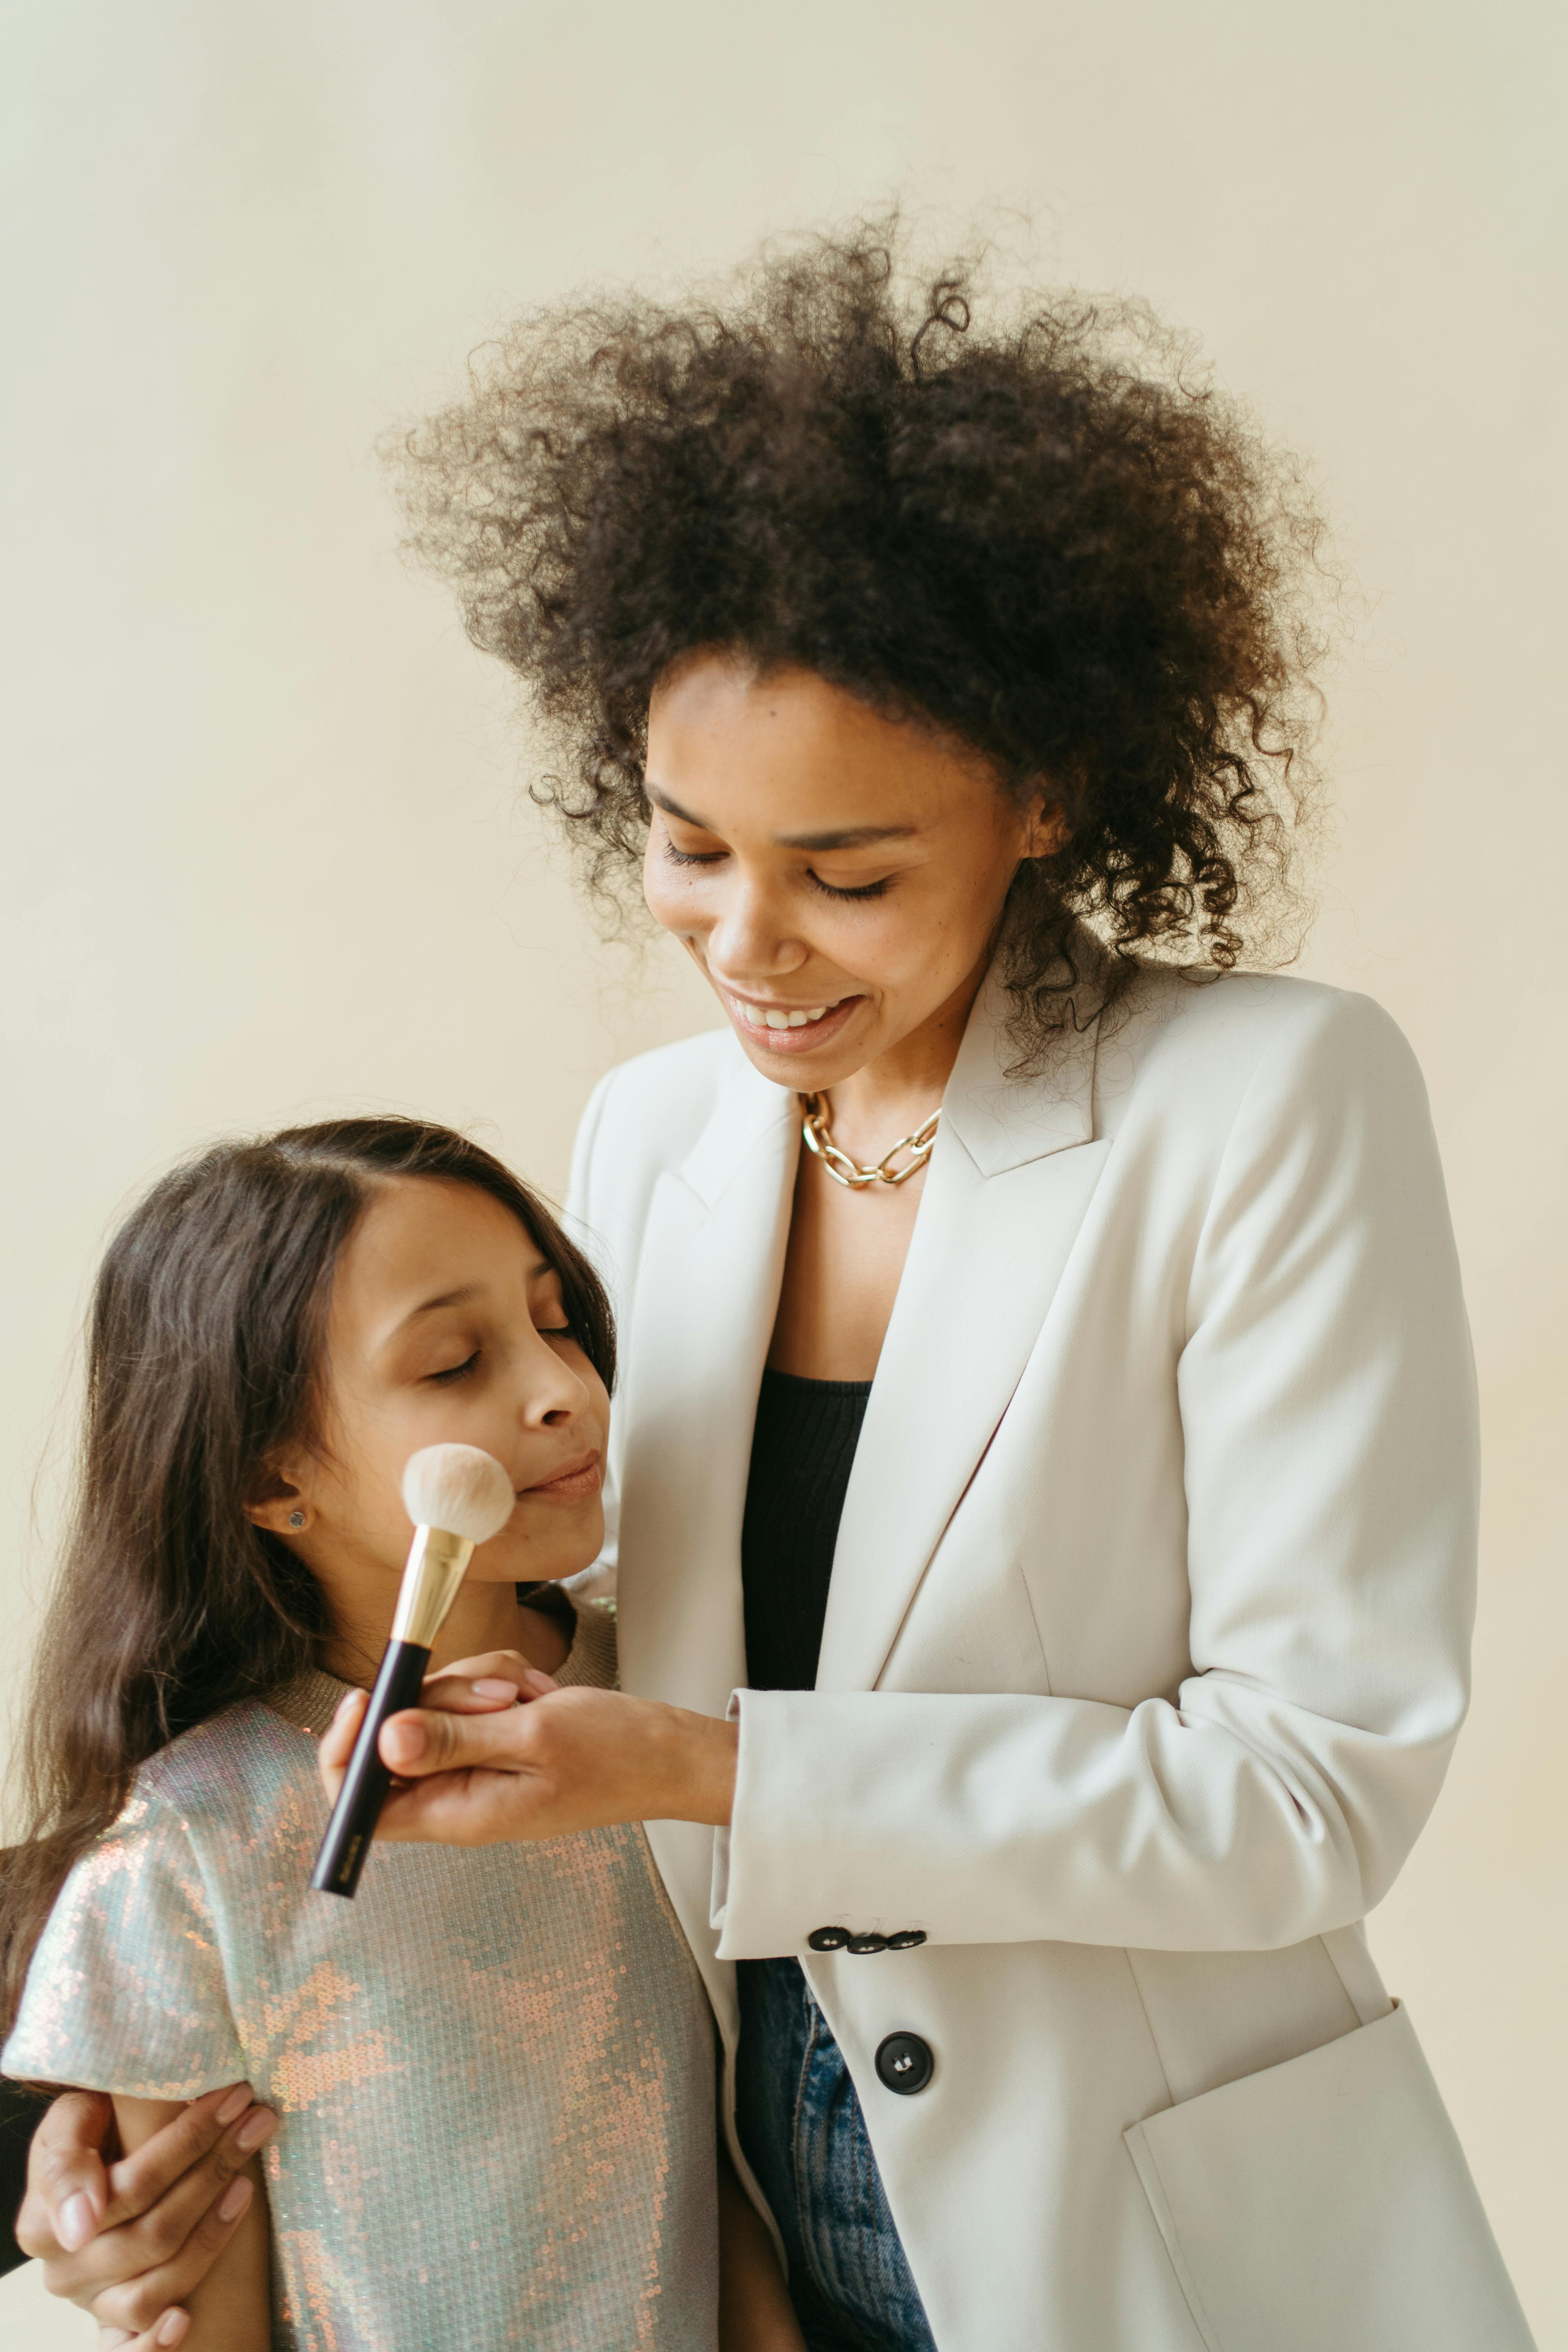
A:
(802, 1450)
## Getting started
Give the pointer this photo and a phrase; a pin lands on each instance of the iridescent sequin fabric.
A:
(494, 2068)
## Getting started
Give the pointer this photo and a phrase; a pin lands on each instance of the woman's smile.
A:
(790, 1029)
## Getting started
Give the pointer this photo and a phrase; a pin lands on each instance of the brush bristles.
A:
(459, 1489)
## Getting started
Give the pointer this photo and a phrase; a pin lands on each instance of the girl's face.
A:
(446, 1325)
(838, 875)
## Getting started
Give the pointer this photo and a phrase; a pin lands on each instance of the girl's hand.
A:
(500, 1753)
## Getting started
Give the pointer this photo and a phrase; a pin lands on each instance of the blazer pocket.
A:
(1325, 2205)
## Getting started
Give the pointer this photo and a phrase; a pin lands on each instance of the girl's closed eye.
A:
(862, 890)
(453, 1372)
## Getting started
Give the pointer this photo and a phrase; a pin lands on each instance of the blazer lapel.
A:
(707, 1293)
(1006, 1191)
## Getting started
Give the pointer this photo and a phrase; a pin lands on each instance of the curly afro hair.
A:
(1035, 525)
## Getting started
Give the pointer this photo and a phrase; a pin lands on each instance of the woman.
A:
(1046, 1455)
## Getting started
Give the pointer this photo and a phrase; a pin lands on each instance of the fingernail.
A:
(254, 2129)
(402, 1743)
(172, 2327)
(491, 1687)
(76, 2223)
(234, 2201)
(235, 2104)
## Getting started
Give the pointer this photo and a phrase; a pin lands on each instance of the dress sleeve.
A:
(126, 1988)
(1327, 1409)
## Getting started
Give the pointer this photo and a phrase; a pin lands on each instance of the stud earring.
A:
(296, 1518)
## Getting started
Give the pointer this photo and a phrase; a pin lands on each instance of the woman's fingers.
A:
(140, 2305)
(433, 1739)
(68, 2185)
(170, 2211)
(483, 1686)
(578, 1759)
(169, 2329)
(183, 2168)
(337, 1742)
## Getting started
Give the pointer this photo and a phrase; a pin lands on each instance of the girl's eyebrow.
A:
(458, 1297)
(464, 1296)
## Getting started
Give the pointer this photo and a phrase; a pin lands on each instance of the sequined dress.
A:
(494, 2068)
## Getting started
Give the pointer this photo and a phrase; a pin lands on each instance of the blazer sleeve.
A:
(584, 1222)
(1327, 1402)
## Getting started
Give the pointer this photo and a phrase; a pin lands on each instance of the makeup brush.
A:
(457, 1497)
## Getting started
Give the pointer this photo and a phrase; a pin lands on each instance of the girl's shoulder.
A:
(237, 1766)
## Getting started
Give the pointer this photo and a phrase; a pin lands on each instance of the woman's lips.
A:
(806, 1037)
(577, 1478)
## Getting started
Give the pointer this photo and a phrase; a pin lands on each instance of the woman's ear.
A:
(280, 1504)
(1048, 826)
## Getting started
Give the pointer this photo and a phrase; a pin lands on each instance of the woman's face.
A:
(838, 875)
(446, 1326)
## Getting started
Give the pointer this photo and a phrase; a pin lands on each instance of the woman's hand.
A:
(129, 2241)
(500, 1753)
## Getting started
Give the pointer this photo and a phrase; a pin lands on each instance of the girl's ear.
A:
(280, 1504)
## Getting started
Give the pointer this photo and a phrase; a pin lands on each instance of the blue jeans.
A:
(805, 2136)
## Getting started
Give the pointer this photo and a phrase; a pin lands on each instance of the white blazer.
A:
(1145, 1652)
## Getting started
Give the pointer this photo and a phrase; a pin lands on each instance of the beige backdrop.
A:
(263, 852)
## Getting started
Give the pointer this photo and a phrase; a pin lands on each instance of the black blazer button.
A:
(827, 1939)
(871, 1942)
(904, 2063)
(906, 1939)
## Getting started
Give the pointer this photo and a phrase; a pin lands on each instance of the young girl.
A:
(493, 2071)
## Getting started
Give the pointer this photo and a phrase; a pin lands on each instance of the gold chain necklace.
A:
(817, 1131)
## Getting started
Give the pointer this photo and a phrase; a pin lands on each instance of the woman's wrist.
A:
(698, 1784)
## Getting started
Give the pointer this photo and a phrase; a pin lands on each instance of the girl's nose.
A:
(554, 1392)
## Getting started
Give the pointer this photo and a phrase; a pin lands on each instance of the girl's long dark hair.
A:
(205, 1343)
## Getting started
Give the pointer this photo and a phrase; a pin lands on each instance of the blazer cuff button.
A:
(871, 1942)
(906, 1939)
(827, 1939)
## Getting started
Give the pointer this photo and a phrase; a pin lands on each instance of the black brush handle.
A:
(367, 1780)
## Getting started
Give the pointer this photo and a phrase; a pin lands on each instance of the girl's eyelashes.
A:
(453, 1372)
(865, 890)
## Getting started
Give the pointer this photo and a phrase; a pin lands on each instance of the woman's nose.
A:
(750, 939)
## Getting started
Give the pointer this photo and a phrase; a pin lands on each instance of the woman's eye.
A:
(866, 889)
(455, 1371)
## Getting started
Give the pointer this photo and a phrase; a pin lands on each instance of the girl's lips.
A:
(578, 1478)
(748, 1020)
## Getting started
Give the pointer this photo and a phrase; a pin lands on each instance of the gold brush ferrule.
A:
(435, 1570)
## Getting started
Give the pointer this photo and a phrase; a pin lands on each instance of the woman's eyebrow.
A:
(662, 800)
(854, 836)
